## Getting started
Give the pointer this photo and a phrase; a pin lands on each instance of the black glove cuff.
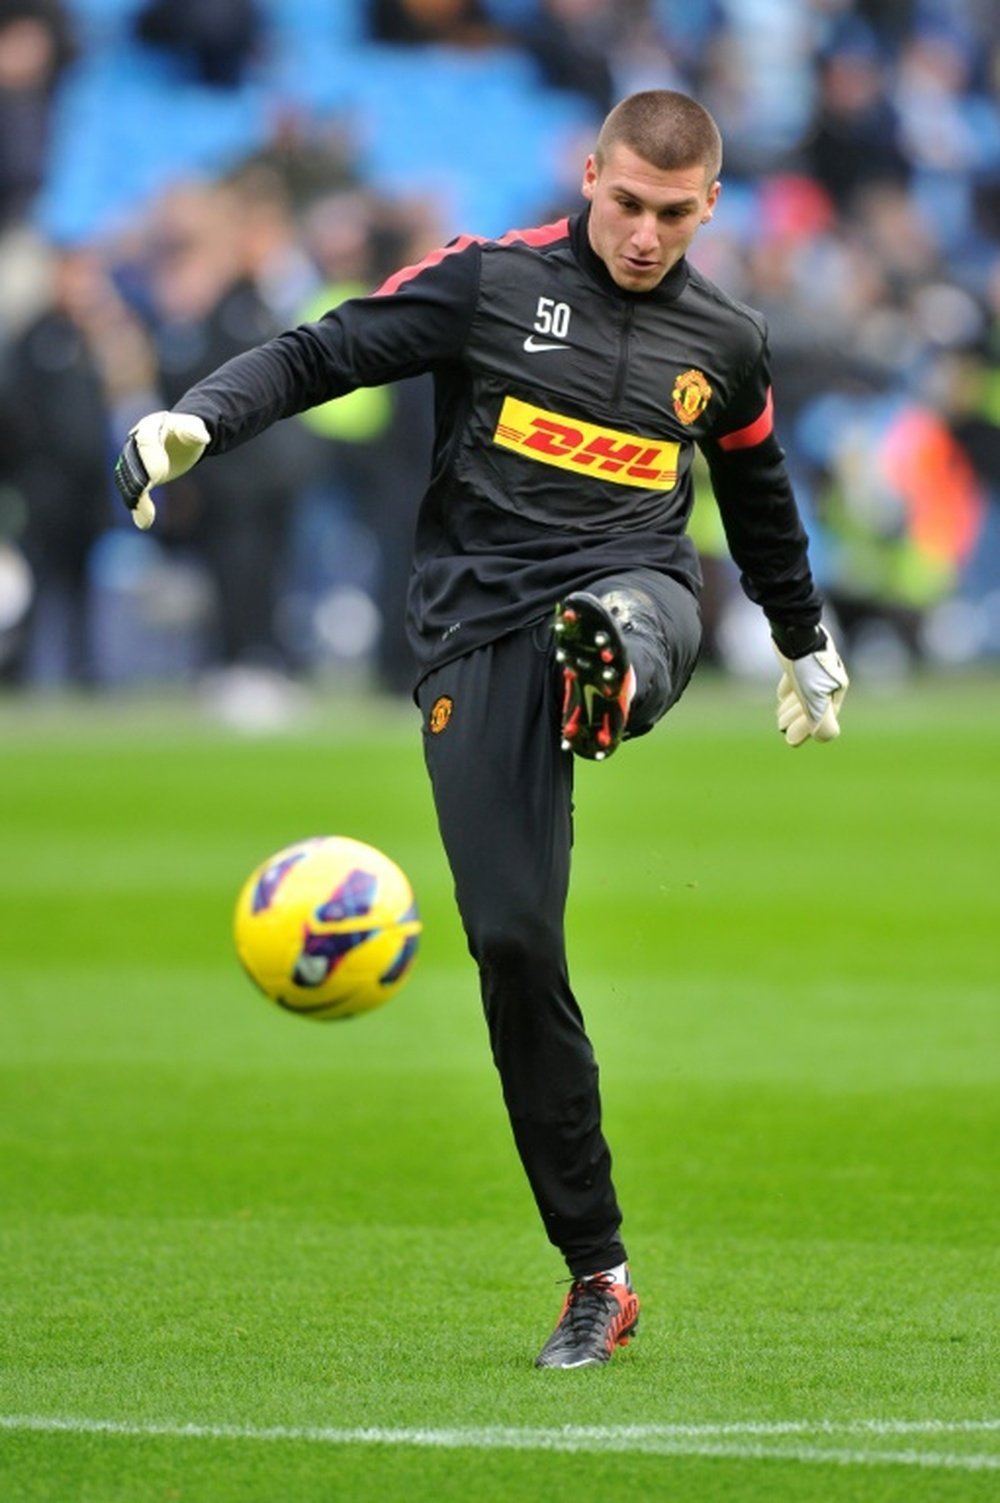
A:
(131, 475)
(798, 641)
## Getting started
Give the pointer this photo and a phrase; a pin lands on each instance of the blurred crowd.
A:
(860, 213)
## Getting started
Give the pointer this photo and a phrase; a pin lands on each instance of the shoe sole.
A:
(594, 663)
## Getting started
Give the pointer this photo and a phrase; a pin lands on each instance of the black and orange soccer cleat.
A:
(598, 681)
(598, 1315)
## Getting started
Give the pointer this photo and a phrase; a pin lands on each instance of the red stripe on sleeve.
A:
(753, 433)
(542, 235)
(407, 273)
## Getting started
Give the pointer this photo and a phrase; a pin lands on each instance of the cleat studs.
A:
(591, 679)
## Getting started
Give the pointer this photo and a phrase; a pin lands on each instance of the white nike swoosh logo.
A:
(533, 345)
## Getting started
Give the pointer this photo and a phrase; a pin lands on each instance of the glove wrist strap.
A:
(131, 475)
(798, 641)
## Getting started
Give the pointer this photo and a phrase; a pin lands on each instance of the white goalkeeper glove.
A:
(159, 448)
(810, 692)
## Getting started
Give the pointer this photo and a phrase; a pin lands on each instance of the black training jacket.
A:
(566, 415)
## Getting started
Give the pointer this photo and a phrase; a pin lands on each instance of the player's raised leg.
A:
(625, 648)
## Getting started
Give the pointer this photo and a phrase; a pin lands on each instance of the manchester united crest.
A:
(691, 395)
(440, 714)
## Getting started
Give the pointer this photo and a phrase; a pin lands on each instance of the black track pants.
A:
(503, 792)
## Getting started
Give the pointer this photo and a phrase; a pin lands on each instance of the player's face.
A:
(642, 218)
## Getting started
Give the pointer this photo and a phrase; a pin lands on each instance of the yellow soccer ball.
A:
(327, 928)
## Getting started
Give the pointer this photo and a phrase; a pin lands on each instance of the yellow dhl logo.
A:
(569, 444)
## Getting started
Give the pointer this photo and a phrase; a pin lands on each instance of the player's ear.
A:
(589, 177)
(712, 200)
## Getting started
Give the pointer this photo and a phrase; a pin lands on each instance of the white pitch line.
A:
(693, 1440)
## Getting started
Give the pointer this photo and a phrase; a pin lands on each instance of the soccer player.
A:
(553, 603)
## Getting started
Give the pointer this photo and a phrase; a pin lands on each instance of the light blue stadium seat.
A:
(474, 129)
(126, 124)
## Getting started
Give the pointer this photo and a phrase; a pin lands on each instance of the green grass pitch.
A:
(248, 1258)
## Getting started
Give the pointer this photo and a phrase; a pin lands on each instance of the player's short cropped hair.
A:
(667, 129)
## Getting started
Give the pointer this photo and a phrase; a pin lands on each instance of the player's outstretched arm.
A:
(811, 690)
(159, 448)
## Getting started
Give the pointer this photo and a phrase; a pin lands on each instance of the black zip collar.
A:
(668, 291)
